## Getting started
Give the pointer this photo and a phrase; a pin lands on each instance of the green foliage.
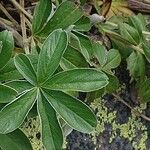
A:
(7, 45)
(44, 85)
(67, 61)
(131, 39)
(58, 20)
(144, 91)
(15, 140)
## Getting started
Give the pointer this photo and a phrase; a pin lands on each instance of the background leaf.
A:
(41, 14)
(144, 91)
(100, 53)
(15, 141)
(146, 49)
(63, 20)
(7, 46)
(83, 24)
(75, 57)
(136, 65)
(113, 60)
(7, 94)
(129, 33)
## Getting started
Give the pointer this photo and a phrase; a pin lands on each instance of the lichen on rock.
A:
(113, 135)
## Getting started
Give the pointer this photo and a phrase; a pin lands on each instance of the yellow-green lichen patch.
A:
(133, 130)
(32, 130)
(103, 117)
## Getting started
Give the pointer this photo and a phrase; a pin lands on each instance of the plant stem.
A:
(146, 33)
(16, 35)
(28, 23)
(8, 15)
(23, 28)
(21, 9)
(115, 25)
(136, 112)
(118, 37)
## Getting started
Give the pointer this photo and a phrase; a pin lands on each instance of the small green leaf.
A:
(41, 14)
(136, 65)
(67, 14)
(9, 72)
(51, 52)
(52, 137)
(85, 80)
(72, 110)
(85, 46)
(75, 57)
(24, 66)
(95, 94)
(113, 60)
(138, 22)
(65, 64)
(83, 24)
(129, 33)
(19, 85)
(144, 91)
(146, 49)
(15, 141)
(83, 2)
(100, 53)
(123, 48)
(7, 94)
(113, 84)
(7, 46)
(13, 114)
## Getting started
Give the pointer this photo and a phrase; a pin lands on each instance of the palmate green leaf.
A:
(84, 80)
(15, 141)
(7, 46)
(7, 93)
(129, 33)
(24, 66)
(136, 64)
(74, 112)
(51, 52)
(14, 113)
(41, 13)
(52, 136)
(66, 14)
(19, 85)
(144, 91)
(113, 60)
